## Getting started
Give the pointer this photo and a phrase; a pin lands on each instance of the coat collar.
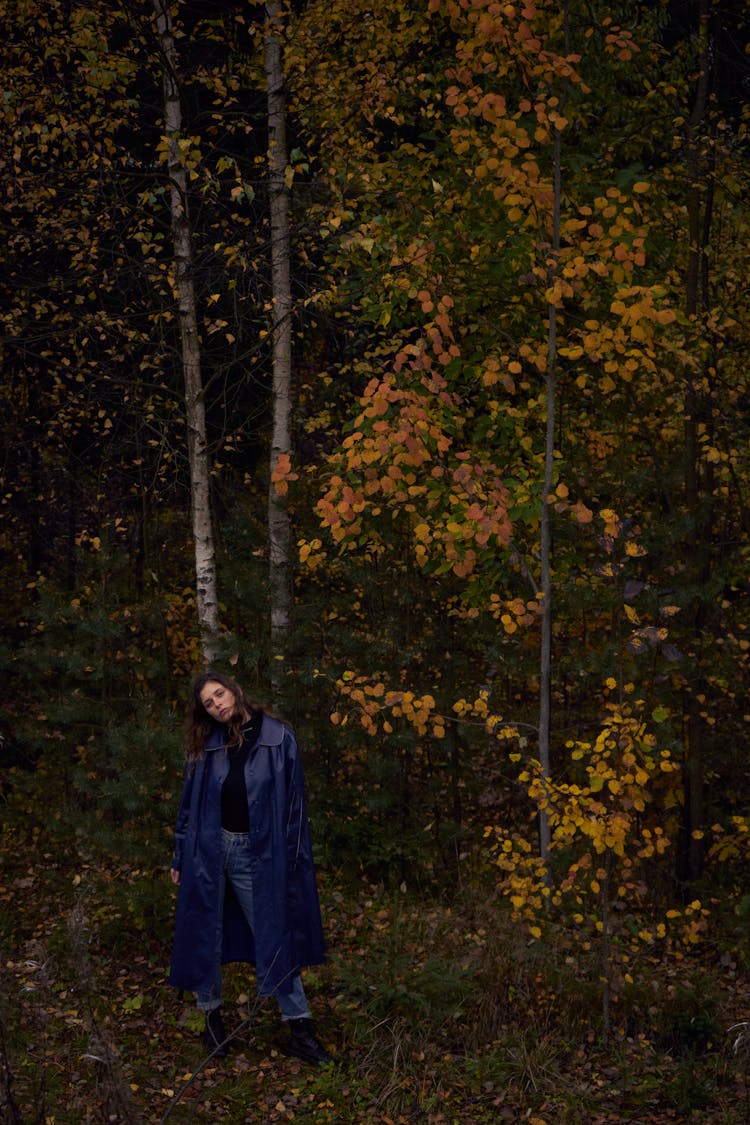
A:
(271, 734)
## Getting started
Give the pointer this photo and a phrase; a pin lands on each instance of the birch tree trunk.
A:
(279, 526)
(203, 537)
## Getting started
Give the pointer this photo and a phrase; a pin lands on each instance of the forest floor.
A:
(421, 1027)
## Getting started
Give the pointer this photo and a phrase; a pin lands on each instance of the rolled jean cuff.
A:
(207, 1005)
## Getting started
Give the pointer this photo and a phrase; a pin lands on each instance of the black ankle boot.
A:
(303, 1044)
(214, 1034)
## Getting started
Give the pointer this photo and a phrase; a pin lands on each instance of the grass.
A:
(438, 1012)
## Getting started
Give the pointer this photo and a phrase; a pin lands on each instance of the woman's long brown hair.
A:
(198, 722)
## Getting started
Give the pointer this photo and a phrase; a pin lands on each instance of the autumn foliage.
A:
(516, 497)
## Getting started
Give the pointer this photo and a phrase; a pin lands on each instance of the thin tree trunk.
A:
(545, 668)
(696, 300)
(606, 953)
(203, 536)
(279, 526)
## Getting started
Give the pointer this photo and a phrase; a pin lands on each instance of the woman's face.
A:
(219, 702)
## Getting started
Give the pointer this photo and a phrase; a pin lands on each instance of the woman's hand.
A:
(175, 876)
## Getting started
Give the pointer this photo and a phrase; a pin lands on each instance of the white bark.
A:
(198, 458)
(279, 526)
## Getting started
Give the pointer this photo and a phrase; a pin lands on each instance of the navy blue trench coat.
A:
(287, 930)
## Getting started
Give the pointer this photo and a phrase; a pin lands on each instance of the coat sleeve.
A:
(182, 817)
(297, 828)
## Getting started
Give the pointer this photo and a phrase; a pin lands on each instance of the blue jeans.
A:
(236, 869)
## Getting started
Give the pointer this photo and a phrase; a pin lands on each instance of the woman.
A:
(243, 862)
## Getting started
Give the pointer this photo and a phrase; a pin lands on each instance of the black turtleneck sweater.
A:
(234, 811)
